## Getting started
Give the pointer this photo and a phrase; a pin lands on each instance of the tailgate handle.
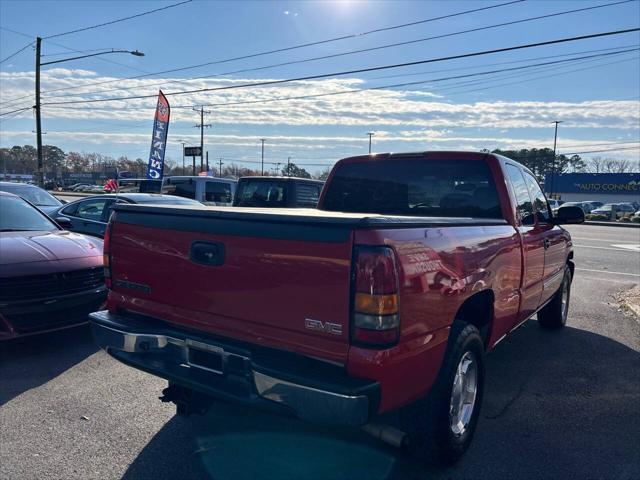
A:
(207, 253)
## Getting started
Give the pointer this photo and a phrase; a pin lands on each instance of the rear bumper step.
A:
(224, 369)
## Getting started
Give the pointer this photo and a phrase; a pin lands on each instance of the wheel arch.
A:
(478, 310)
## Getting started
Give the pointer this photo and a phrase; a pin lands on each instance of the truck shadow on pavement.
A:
(29, 362)
(557, 405)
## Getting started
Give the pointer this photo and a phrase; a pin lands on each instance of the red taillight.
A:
(376, 316)
(106, 253)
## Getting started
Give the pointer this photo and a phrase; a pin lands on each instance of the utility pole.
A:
(553, 166)
(207, 161)
(40, 178)
(371, 134)
(183, 169)
(288, 166)
(202, 126)
(262, 169)
(220, 170)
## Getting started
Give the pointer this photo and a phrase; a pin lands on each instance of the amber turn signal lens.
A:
(376, 304)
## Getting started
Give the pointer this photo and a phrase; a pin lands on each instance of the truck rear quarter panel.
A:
(440, 268)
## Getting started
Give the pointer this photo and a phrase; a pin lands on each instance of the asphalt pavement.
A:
(558, 405)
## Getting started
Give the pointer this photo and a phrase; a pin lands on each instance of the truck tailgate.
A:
(247, 276)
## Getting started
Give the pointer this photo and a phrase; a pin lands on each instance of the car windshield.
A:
(35, 195)
(17, 215)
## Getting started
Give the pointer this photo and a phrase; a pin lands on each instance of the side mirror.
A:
(569, 215)
(65, 223)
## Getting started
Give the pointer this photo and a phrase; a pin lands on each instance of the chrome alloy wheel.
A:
(463, 394)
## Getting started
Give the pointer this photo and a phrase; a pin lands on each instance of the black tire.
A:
(554, 314)
(429, 422)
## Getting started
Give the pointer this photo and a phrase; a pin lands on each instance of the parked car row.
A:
(599, 208)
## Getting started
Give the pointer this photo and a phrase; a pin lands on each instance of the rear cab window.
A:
(180, 187)
(218, 192)
(261, 193)
(415, 187)
(307, 194)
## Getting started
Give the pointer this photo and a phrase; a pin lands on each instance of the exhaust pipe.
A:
(387, 434)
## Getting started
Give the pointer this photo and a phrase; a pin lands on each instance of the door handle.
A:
(546, 243)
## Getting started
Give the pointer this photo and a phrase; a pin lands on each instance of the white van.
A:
(208, 190)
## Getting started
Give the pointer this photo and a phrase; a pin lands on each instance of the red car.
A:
(49, 278)
(385, 298)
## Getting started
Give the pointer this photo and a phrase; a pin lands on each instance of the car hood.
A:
(27, 247)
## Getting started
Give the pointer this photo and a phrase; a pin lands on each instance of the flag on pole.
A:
(159, 138)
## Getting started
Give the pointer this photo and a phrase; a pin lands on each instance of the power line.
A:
(352, 52)
(116, 21)
(381, 87)
(599, 151)
(405, 84)
(285, 49)
(363, 70)
(16, 53)
(342, 92)
(383, 77)
(600, 144)
(14, 111)
(538, 78)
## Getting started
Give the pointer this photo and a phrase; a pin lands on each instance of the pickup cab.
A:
(207, 190)
(277, 192)
(385, 298)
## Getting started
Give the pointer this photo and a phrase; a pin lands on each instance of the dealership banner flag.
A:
(159, 139)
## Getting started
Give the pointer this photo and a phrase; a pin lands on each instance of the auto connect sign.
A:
(612, 183)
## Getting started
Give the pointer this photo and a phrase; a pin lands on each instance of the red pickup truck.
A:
(384, 298)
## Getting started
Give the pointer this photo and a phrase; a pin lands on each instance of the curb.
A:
(613, 224)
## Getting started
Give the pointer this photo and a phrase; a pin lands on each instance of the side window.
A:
(307, 194)
(181, 188)
(70, 210)
(523, 200)
(539, 200)
(91, 209)
(217, 192)
(108, 208)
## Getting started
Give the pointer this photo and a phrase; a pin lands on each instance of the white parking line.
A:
(607, 271)
(617, 249)
(597, 239)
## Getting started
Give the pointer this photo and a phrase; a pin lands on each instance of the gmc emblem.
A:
(320, 326)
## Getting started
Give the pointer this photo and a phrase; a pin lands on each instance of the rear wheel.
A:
(442, 424)
(554, 314)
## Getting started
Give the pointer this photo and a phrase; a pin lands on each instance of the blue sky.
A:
(597, 98)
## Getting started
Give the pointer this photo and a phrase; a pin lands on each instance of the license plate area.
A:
(206, 357)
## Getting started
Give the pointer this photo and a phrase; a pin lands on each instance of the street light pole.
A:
(371, 134)
(553, 166)
(183, 168)
(37, 108)
(262, 169)
(40, 178)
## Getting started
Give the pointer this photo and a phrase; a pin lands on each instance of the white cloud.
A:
(388, 108)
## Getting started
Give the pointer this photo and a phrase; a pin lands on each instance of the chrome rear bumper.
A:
(211, 367)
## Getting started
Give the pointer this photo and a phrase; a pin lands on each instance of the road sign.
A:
(192, 151)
